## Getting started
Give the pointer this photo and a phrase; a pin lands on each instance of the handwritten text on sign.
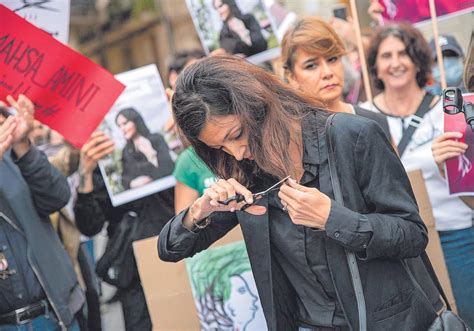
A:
(71, 93)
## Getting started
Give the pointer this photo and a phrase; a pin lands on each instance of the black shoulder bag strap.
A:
(429, 268)
(351, 258)
(415, 122)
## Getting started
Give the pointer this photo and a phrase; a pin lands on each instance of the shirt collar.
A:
(310, 140)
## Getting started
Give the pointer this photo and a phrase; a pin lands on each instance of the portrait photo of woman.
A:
(146, 156)
(242, 28)
(240, 34)
(143, 161)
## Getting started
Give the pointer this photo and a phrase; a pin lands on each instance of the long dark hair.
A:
(134, 116)
(417, 48)
(267, 108)
(233, 8)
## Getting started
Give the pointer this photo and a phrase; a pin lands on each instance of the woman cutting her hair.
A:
(253, 131)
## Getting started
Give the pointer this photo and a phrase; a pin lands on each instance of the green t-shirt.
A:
(192, 171)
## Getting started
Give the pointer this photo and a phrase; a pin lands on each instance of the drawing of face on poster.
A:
(50, 15)
(242, 314)
(224, 289)
(142, 163)
(240, 27)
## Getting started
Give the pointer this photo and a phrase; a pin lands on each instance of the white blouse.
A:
(449, 211)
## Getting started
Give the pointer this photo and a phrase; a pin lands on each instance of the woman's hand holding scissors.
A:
(224, 195)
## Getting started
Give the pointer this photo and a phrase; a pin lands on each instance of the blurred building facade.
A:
(124, 34)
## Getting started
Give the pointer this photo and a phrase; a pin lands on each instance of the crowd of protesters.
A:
(238, 129)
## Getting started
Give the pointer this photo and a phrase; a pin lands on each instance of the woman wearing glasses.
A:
(252, 131)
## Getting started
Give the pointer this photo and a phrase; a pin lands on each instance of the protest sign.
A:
(459, 170)
(415, 11)
(434, 250)
(360, 49)
(142, 163)
(51, 16)
(70, 92)
(215, 289)
(246, 28)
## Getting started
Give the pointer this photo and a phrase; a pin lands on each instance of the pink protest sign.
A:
(71, 93)
(415, 11)
(459, 170)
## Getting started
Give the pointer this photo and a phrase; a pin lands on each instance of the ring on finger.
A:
(285, 206)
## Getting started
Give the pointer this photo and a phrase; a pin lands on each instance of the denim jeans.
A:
(40, 323)
(458, 249)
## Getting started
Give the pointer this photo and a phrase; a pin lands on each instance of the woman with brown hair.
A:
(253, 131)
(312, 55)
(400, 61)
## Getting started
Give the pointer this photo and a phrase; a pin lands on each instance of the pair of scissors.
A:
(256, 196)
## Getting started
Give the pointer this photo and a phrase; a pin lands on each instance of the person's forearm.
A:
(194, 215)
(48, 187)
(86, 184)
(21, 148)
(188, 221)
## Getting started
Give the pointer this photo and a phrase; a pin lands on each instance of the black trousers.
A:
(135, 310)
(92, 321)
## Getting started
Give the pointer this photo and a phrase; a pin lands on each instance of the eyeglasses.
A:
(256, 196)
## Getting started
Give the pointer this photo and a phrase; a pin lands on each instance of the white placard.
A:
(50, 15)
(142, 163)
(245, 28)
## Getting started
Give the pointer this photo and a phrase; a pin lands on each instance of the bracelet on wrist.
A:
(202, 223)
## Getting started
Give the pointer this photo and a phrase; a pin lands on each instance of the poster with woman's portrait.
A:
(241, 27)
(224, 289)
(142, 163)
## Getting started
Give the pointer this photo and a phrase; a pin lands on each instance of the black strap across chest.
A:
(415, 122)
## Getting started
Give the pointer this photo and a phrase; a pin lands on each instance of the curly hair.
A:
(416, 46)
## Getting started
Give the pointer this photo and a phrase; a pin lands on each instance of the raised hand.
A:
(24, 116)
(7, 128)
(24, 123)
(446, 146)
(97, 146)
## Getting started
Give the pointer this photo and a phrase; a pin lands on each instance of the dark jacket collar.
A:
(312, 125)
